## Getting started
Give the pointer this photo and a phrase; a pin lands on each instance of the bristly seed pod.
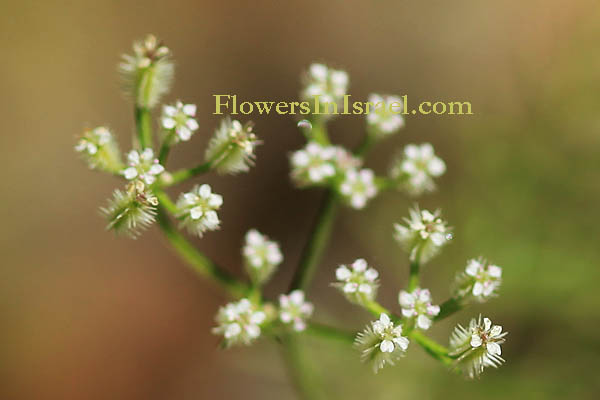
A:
(131, 211)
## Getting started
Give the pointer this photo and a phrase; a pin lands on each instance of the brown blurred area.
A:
(87, 315)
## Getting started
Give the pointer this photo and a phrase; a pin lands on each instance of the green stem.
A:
(329, 332)
(165, 148)
(200, 264)
(448, 308)
(415, 265)
(143, 124)
(433, 348)
(377, 309)
(185, 174)
(366, 144)
(302, 375)
(319, 237)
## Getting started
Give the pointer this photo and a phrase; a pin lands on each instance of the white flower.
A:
(329, 84)
(358, 187)
(231, 150)
(100, 150)
(142, 166)
(381, 343)
(345, 160)
(417, 305)
(479, 280)
(131, 211)
(415, 169)
(239, 323)
(294, 309)
(313, 165)
(477, 346)
(358, 283)
(180, 119)
(261, 256)
(381, 120)
(424, 235)
(148, 73)
(197, 209)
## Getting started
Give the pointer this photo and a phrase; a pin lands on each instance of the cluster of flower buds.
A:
(197, 209)
(386, 118)
(240, 322)
(142, 165)
(480, 281)
(414, 170)
(359, 282)
(131, 210)
(328, 84)
(148, 73)
(100, 150)
(417, 306)
(180, 120)
(295, 310)
(381, 343)
(261, 256)
(424, 234)
(231, 150)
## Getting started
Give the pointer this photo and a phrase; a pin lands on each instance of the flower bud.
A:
(100, 150)
(197, 210)
(261, 257)
(231, 150)
(424, 234)
(381, 343)
(414, 170)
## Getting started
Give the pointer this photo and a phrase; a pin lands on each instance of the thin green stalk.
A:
(433, 348)
(366, 144)
(377, 309)
(143, 124)
(165, 148)
(415, 265)
(302, 375)
(448, 308)
(200, 264)
(329, 332)
(319, 238)
(185, 174)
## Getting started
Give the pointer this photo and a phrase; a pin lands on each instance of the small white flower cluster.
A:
(131, 211)
(424, 235)
(417, 305)
(479, 280)
(180, 119)
(231, 150)
(197, 209)
(359, 283)
(261, 256)
(382, 343)
(382, 121)
(416, 168)
(477, 346)
(358, 187)
(313, 165)
(295, 310)
(142, 165)
(148, 73)
(100, 150)
(329, 84)
(240, 322)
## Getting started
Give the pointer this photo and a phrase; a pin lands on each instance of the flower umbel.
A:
(148, 73)
(197, 209)
(358, 187)
(480, 280)
(417, 305)
(382, 121)
(477, 346)
(329, 84)
(231, 150)
(295, 310)
(424, 234)
(381, 343)
(239, 323)
(358, 283)
(132, 210)
(100, 150)
(415, 169)
(261, 256)
(142, 166)
(179, 118)
(313, 165)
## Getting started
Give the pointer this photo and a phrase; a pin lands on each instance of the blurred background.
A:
(87, 315)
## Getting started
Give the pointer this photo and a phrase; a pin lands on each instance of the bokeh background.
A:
(87, 315)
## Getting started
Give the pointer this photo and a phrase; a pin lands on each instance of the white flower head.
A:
(148, 73)
(358, 187)
(313, 165)
(261, 256)
(359, 282)
(132, 210)
(415, 169)
(381, 343)
(197, 209)
(345, 160)
(479, 281)
(179, 118)
(295, 310)
(328, 84)
(381, 120)
(100, 150)
(417, 306)
(142, 165)
(231, 150)
(424, 234)
(477, 346)
(239, 322)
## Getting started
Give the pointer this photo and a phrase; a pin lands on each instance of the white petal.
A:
(436, 166)
(359, 265)
(365, 288)
(285, 317)
(475, 341)
(496, 330)
(494, 348)
(215, 200)
(371, 274)
(204, 191)
(406, 299)
(192, 124)
(196, 212)
(384, 319)
(189, 109)
(169, 111)
(473, 268)
(168, 123)
(297, 297)
(184, 133)
(387, 346)
(423, 322)
(130, 173)
(477, 289)
(350, 287)
(156, 169)
(402, 342)
(232, 330)
(487, 323)
(358, 201)
(342, 273)
(253, 331)
(495, 271)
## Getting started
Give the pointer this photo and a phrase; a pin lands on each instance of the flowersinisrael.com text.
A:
(229, 104)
